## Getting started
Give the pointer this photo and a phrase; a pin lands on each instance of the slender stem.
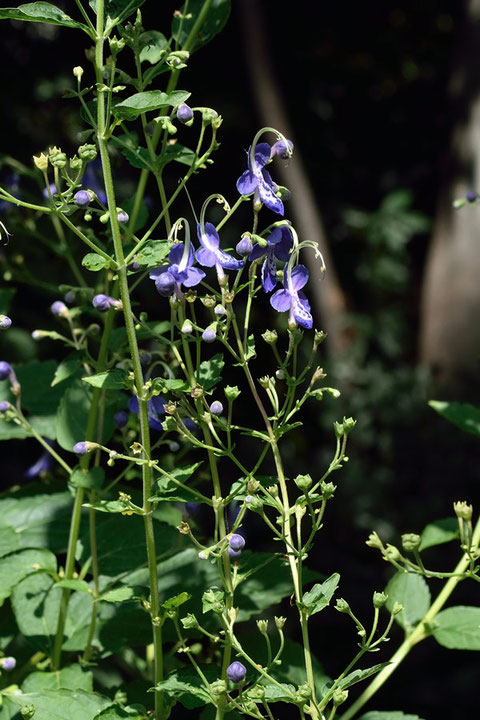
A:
(418, 634)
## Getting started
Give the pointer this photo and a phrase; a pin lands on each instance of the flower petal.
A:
(246, 183)
(205, 257)
(193, 276)
(301, 313)
(155, 272)
(257, 252)
(282, 249)
(269, 272)
(133, 404)
(267, 196)
(262, 154)
(176, 256)
(299, 277)
(228, 261)
(281, 300)
(209, 237)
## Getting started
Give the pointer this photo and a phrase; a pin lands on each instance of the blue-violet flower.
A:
(292, 298)
(258, 180)
(279, 244)
(170, 278)
(155, 409)
(5, 322)
(184, 113)
(237, 542)
(236, 672)
(210, 254)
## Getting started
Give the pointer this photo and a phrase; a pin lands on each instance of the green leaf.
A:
(359, 675)
(174, 602)
(439, 532)
(413, 593)
(68, 367)
(168, 490)
(95, 262)
(131, 712)
(15, 567)
(72, 677)
(109, 380)
(458, 628)
(43, 12)
(148, 101)
(210, 372)
(274, 693)
(213, 23)
(73, 584)
(388, 715)
(73, 414)
(292, 668)
(156, 44)
(125, 594)
(38, 521)
(55, 705)
(153, 253)
(118, 9)
(36, 604)
(186, 685)
(179, 153)
(6, 295)
(320, 595)
(464, 416)
(91, 479)
(110, 506)
(9, 540)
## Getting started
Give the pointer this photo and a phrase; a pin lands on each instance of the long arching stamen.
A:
(220, 200)
(177, 225)
(295, 252)
(257, 137)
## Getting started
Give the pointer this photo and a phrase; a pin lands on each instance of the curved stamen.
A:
(294, 254)
(220, 200)
(254, 144)
(177, 225)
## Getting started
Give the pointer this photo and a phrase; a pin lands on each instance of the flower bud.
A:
(83, 447)
(397, 608)
(5, 370)
(244, 247)
(87, 152)
(187, 327)
(8, 663)
(279, 374)
(165, 284)
(392, 552)
(233, 553)
(184, 114)
(5, 322)
(57, 158)
(379, 599)
(122, 216)
(374, 541)
(4, 405)
(216, 408)
(342, 606)
(59, 309)
(270, 336)
(471, 196)
(410, 541)
(219, 311)
(27, 711)
(303, 482)
(462, 510)
(280, 622)
(103, 303)
(82, 198)
(237, 542)
(236, 672)
(340, 696)
(78, 72)
(232, 392)
(209, 335)
(262, 626)
(189, 622)
(41, 162)
(319, 337)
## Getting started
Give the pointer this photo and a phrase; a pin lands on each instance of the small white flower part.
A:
(4, 229)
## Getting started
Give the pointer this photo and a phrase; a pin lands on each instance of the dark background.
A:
(365, 88)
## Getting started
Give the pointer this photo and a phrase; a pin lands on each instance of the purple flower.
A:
(53, 189)
(237, 542)
(4, 405)
(292, 298)
(184, 113)
(69, 296)
(244, 246)
(209, 335)
(8, 663)
(59, 309)
(80, 448)
(210, 254)
(170, 278)
(103, 303)
(43, 464)
(233, 553)
(155, 409)
(190, 424)
(279, 244)
(5, 322)
(122, 216)
(258, 180)
(216, 408)
(120, 419)
(282, 148)
(471, 196)
(82, 198)
(236, 672)
(219, 310)
(8, 373)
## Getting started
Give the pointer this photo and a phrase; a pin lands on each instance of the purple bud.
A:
(282, 149)
(135, 265)
(208, 335)
(8, 663)
(192, 508)
(82, 198)
(184, 113)
(122, 216)
(165, 284)
(4, 405)
(120, 419)
(174, 446)
(233, 553)
(81, 448)
(103, 303)
(5, 370)
(237, 542)
(219, 311)
(249, 498)
(244, 247)
(471, 196)
(5, 322)
(69, 297)
(59, 309)
(236, 672)
(216, 408)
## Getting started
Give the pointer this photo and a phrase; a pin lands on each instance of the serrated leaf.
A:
(119, 9)
(464, 416)
(210, 372)
(439, 532)
(16, 566)
(109, 380)
(186, 685)
(320, 595)
(131, 108)
(9, 540)
(109, 506)
(95, 262)
(179, 153)
(458, 628)
(73, 677)
(56, 704)
(43, 12)
(176, 601)
(117, 712)
(213, 23)
(153, 253)
(138, 157)
(168, 490)
(413, 593)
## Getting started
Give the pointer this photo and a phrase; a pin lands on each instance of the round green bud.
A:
(379, 599)
(410, 541)
(339, 696)
(270, 336)
(303, 482)
(232, 392)
(87, 152)
(342, 606)
(462, 510)
(218, 687)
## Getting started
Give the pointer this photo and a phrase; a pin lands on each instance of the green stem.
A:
(419, 633)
